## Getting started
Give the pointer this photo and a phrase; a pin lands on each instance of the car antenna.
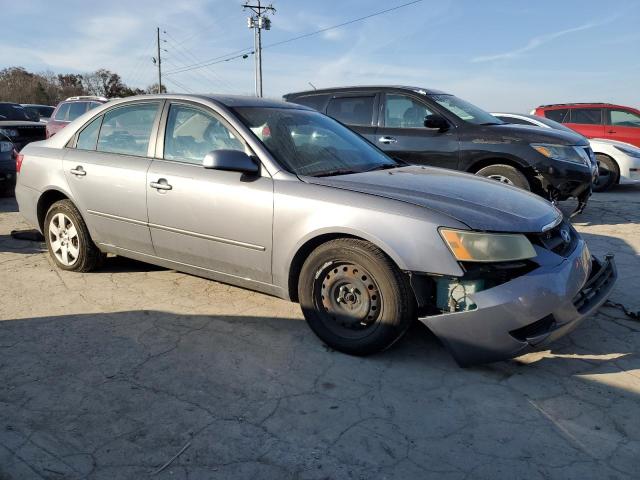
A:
(312, 85)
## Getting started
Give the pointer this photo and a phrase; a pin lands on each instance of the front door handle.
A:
(387, 140)
(78, 171)
(161, 184)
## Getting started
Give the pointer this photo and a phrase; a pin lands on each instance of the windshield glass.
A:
(13, 111)
(465, 110)
(309, 143)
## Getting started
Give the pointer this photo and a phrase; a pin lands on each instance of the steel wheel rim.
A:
(64, 239)
(501, 179)
(347, 299)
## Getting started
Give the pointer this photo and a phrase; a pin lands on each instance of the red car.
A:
(70, 109)
(596, 120)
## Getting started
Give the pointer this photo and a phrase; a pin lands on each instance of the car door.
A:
(587, 121)
(107, 172)
(402, 133)
(212, 219)
(356, 110)
(623, 125)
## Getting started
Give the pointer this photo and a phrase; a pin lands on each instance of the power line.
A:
(245, 52)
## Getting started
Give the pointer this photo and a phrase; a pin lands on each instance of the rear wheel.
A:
(354, 297)
(68, 240)
(607, 173)
(505, 174)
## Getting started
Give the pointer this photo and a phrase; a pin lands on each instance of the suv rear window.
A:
(61, 114)
(76, 109)
(352, 110)
(586, 116)
(561, 115)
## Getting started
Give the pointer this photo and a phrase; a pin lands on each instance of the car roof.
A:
(585, 104)
(231, 101)
(364, 88)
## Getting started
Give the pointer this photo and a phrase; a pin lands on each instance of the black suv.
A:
(430, 127)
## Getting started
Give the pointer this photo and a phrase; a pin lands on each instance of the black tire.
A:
(88, 257)
(366, 307)
(608, 173)
(505, 174)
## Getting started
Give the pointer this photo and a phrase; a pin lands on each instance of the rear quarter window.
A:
(560, 115)
(352, 110)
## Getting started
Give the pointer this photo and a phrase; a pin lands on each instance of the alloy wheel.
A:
(64, 240)
(501, 179)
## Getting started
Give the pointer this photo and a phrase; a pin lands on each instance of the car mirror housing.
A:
(436, 122)
(230, 160)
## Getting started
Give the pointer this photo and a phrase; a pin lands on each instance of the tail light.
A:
(19, 158)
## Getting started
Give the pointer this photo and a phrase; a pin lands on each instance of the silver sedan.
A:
(281, 199)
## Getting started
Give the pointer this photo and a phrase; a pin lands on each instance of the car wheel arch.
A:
(308, 245)
(527, 171)
(48, 198)
(615, 163)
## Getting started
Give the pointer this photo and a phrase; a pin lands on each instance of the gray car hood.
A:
(480, 203)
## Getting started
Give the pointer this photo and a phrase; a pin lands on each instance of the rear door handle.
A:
(78, 171)
(161, 184)
(611, 131)
(387, 140)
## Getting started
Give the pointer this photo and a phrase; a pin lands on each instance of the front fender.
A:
(408, 234)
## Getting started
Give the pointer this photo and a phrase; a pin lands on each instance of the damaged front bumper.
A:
(526, 312)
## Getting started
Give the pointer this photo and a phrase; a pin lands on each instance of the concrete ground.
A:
(110, 375)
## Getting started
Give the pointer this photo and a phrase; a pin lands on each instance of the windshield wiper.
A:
(335, 171)
(384, 166)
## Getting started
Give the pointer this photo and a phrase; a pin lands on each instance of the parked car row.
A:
(618, 162)
(288, 201)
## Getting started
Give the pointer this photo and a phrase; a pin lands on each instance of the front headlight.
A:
(631, 151)
(9, 132)
(6, 147)
(487, 247)
(562, 153)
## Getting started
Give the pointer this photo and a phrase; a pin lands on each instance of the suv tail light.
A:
(19, 158)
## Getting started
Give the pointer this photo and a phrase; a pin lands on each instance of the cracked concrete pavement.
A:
(108, 375)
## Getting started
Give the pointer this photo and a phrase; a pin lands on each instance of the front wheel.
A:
(354, 297)
(68, 239)
(505, 174)
(607, 173)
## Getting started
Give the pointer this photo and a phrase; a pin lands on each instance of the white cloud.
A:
(534, 43)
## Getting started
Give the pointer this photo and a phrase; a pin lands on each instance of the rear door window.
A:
(127, 130)
(317, 102)
(352, 110)
(586, 116)
(61, 114)
(560, 115)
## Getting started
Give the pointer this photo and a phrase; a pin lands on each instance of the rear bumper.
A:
(27, 199)
(527, 312)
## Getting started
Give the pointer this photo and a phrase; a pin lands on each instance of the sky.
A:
(503, 55)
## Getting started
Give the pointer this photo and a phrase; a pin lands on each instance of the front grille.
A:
(561, 239)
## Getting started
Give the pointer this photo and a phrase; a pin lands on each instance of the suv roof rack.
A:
(87, 97)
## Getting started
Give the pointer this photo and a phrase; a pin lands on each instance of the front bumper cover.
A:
(527, 312)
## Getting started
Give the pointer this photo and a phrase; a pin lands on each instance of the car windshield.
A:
(465, 111)
(13, 111)
(310, 143)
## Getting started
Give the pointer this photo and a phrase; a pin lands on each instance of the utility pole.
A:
(258, 22)
(159, 63)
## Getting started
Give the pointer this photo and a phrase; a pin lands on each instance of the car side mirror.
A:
(231, 161)
(436, 122)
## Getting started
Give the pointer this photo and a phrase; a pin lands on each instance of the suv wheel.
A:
(354, 297)
(607, 173)
(505, 174)
(68, 240)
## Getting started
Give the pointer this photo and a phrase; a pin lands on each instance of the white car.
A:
(618, 162)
